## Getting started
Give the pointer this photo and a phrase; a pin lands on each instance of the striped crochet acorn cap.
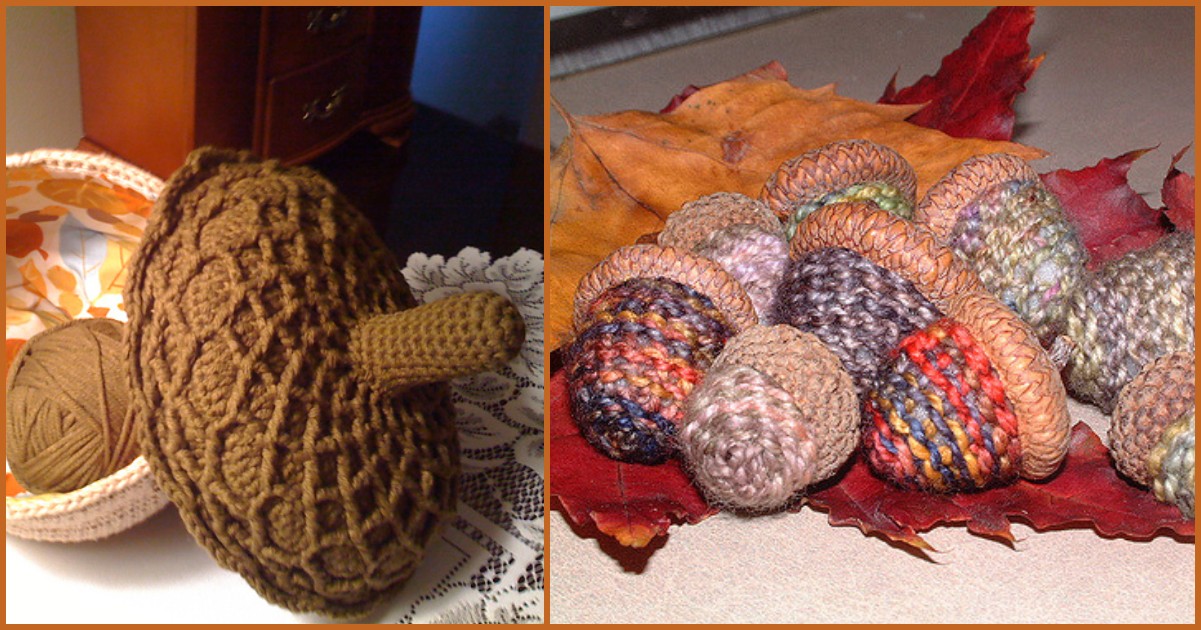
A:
(649, 321)
(848, 170)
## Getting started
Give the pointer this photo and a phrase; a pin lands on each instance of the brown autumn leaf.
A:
(618, 176)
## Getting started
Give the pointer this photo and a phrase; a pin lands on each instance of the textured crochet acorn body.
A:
(287, 390)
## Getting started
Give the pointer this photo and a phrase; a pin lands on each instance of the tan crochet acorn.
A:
(287, 389)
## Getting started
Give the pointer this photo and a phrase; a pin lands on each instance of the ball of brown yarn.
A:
(66, 407)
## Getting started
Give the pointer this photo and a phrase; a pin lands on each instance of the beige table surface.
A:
(1114, 79)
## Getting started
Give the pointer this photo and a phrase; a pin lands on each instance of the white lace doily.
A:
(487, 565)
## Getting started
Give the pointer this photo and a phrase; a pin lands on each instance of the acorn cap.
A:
(939, 209)
(833, 167)
(1032, 383)
(1159, 395)
(697, 219)
(653, 261)
(890, 242)
(805, 368)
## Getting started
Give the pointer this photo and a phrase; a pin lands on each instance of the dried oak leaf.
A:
(618, 176)
(972, 94)
(630, 502)
(1110, 216)
(1177, 195)
(1087, 491)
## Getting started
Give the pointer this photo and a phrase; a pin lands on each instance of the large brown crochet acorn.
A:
(984, 343)
(287, 390)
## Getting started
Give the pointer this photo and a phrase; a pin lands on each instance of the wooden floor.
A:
(452, 185)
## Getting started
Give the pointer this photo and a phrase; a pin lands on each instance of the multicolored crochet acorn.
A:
(1152, 436)
(774, 414)
(861, 279)
(741, 235)
(994, 211)
(287, 390)
(1128, 313)
(971, 399)
(649, 321)
(850, 170)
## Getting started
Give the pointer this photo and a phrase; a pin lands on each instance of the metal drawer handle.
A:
(323, 107)
(326, 19)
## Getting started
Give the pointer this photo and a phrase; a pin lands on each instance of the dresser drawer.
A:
(307, 111)
(295, 37)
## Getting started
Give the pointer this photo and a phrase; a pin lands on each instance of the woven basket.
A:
(128, 496)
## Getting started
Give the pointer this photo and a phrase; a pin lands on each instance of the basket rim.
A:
(111, 168)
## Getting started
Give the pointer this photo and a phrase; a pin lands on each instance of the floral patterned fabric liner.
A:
(68, 240)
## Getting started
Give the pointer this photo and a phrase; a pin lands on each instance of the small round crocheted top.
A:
(286, 389)
(850, 170)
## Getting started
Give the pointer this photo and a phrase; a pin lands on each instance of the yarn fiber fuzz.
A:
(320, 488)
(1172, 464)
(1132, 311)
(66, 407)
(859, 309)
(1016, 237)
(646, 344)
(756, 257)
(774, 414)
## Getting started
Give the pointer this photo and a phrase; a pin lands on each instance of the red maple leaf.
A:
(972, 94)
(636, 504)
(1109, 215)
(630, 502)
(1177, 195)
(1086, 492)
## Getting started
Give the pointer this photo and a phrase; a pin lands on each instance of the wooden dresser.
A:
(286, 82)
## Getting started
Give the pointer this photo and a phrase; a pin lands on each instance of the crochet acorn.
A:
(738, 233)
(849, 170)
(649, 321)
(994, 212)
(287, 389)
(775, 414)
(1152, 436)
(971, 399)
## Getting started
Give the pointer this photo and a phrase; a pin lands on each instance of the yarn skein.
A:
(650, 320)
(844, 171)
(774, 414)
(66, 407)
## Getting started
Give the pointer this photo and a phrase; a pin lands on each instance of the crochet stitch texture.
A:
(648, 343)
(288, 461)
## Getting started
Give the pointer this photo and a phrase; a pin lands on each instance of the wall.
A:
(483, 64)
(41, 79)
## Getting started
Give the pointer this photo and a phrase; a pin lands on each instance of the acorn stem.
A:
(451, 337)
